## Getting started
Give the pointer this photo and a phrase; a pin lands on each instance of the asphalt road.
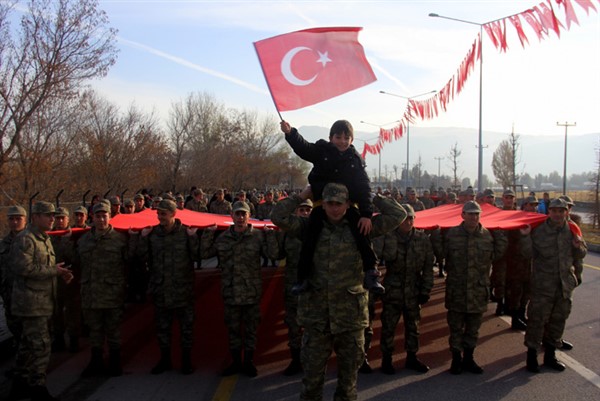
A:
(500, 352)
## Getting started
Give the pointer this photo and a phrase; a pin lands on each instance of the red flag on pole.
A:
(309, 66)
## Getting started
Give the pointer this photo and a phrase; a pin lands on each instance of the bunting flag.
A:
(542, 19)
(307, 67)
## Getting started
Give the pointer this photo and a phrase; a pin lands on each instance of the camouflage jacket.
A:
(239, 259)
(337, 299)
(416, 205)
(409, 266)
(223, 207)
(428, 203)
(264, 210)
(6, 262)
(554, 255)
(170, 257)
(103, 259)
(469, 258)
(34, 272)
(196, 206)
(291, 253)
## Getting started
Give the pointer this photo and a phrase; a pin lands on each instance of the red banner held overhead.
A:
(309, 66)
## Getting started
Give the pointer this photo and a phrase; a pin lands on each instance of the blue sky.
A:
(171, 48)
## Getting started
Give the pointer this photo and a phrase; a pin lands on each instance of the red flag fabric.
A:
(309, 66)
(492, 218)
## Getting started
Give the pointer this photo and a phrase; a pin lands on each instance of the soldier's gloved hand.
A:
(526, 230)
(191, 231)
(146, 231)
(422, 299)
(212, 228)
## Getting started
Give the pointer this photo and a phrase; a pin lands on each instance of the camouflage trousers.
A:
(163, 318)
(369, 329)
(517, 293)
(547, 316)
(291, 320)
(12, 322)
(33, 354)
(498, 279)
(104, 325)
(464, 329)
(235, 317)
(316, 349)
(390, 316)
(67, 309)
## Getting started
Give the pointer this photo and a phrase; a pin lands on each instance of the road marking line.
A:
(570, 362)
(591, 267)
(225, 388)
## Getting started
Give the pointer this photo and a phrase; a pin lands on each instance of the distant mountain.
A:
(538, 153)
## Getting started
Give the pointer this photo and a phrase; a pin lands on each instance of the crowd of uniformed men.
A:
(50, 282)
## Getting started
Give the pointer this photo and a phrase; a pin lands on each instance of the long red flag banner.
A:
(542, 19)
(309, 66)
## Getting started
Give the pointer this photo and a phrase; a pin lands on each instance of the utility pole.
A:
(566, 125)
(439, 159)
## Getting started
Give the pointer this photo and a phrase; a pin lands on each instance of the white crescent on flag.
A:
(286, 68)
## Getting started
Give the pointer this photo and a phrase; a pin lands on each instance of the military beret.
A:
(101, 207)
(139, 196)
(240, 206)
(307, 202)
(166, 195)
(508, 192)
(81, 209)
(489, 192)
(16, 211)
(114, 200)
(471, 207)
(61, 211)
(129, 202)
(157, 199)
(197, 192)
(167, 204)
(334, 192)
(42, 207)
(567, 199)
(451, 196)
(179, 198)
(558, 203)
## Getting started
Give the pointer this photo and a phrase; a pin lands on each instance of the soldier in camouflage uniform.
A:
(239, 249)
(333, 310)
(103, 253)
(241, 196)
(263, 212)
(197, 203)
(80, 216)
(140, 203)
(426, 200)
(292, 246)
(555, 246)
(411, 199)
(220, 205)
(17, 220)
(171, 248)
(408, 282)
(33, 296)
(469, 251)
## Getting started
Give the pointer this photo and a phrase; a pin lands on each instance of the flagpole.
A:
(267, 81)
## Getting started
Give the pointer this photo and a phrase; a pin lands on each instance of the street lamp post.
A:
(365, 140)
(480, 146)
(439, 159)
(407, 129)
(566, 125)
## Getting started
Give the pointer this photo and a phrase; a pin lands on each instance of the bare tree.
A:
(59, 45)
(453, 156)
(505, 160)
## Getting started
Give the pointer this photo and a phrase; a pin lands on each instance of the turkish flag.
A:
(309, 66)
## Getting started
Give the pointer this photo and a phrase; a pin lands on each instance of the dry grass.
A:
(591, 235)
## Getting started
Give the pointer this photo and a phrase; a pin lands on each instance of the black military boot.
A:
(456, 366)
(365, 367)
(236, 365)
(413, 363)
(40, 393)
(295, 365)
(114, 362)
(186, 361)
(516, 323)
(500, 307)
(19, 389)
(96, 365)
(164, 363)
(469, 364)
(387, 366)
(565, 345)
(372, 283)
(248, 368)
(550, 359)
(532, 362)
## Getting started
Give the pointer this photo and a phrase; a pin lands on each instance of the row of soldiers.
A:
(98, 263)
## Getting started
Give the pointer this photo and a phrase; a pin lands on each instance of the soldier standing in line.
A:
(197, 203)
(80, 216)
(180, 202)
(220, 205)
(555, 246)
(292, 247)
(171, 248)
(140, 203)
(35, 271)
(102, 254)
(238, 249)
(17, 220)
(263, 212)
(115, 205)
(426, 200)
(411, 199)
(408, 282)
(241, 196)
(469, 250)
(128, 206)
(333, 310)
